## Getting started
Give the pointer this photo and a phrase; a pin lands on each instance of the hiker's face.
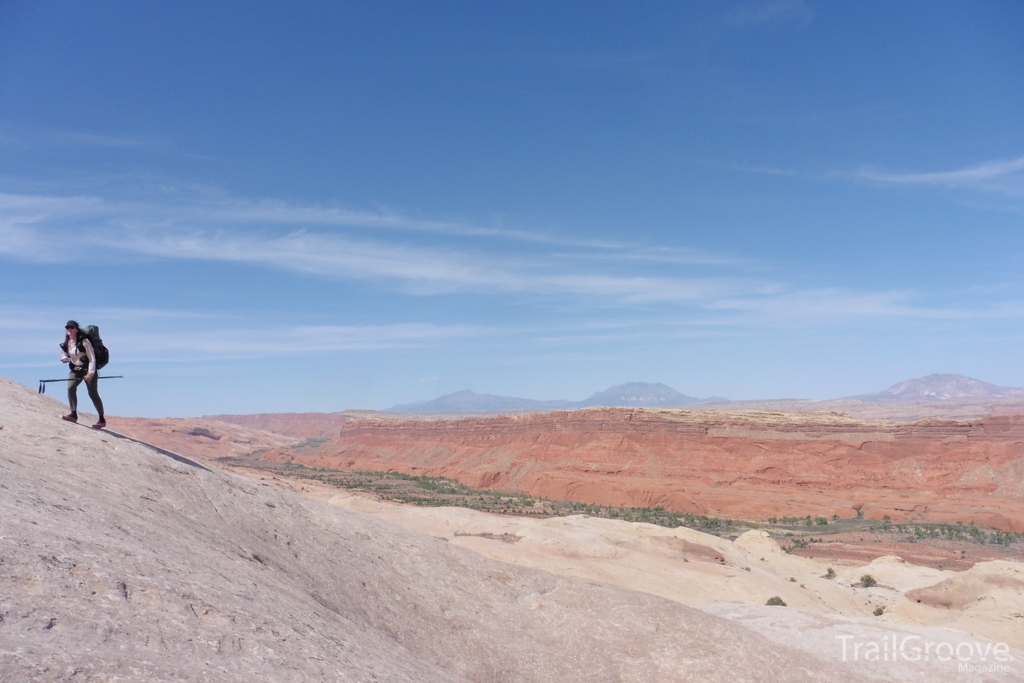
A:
(72, 332)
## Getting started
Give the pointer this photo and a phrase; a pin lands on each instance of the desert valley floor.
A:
(596, 545)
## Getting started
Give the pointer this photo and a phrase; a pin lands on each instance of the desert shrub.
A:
(776, 600)
(830, 574)
(868, 581)
(878, 611)
(821, 521)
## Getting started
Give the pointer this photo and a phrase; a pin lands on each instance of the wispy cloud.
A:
(283, 213)
(255, 343)
(31, 331)
(1000, 176)
(312, 240)
(423, 270)
(217, 211)
(564, 274)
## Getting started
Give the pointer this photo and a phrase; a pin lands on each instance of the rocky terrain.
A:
(705, 571)
(736, 464)
(122, 563)
(127, 562)
(204, 438)
(298, 425)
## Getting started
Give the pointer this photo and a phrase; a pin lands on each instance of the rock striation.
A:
(747, 465)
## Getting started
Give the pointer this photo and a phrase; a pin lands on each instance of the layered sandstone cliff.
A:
(731, 464)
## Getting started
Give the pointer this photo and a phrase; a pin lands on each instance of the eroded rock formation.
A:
(731, 464)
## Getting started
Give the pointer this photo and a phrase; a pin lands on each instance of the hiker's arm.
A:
(64, 357)
(92, 359)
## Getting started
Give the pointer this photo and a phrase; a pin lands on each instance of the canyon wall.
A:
(745, 465)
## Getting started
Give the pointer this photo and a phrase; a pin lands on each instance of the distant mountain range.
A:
(933, 388)
(941, 387)
(631, 394)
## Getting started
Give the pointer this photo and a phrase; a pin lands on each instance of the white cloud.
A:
(837, 305)
(254, 343)
(311, 241)
(279, 235)
(1000, 176)
(142, 335)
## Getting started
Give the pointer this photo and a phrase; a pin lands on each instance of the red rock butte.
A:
(739, 464)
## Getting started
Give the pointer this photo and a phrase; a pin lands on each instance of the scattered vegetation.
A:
(776, 600)
(962, 532)
(878, 611)
(830, 574)
(441, 491)
(868, 581)
(904, 532)
(800, 542)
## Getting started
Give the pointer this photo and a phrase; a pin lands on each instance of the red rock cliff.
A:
(733, 464)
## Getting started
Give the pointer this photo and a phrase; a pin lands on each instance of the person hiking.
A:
(77, 351)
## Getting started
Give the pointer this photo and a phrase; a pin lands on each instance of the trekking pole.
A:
(44, 382)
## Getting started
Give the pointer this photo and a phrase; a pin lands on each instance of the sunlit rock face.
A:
(739, 464)
(120, 562)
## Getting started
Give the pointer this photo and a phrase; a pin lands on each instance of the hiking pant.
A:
(73, 382)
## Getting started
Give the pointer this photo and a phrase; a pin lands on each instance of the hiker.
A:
(77, 350)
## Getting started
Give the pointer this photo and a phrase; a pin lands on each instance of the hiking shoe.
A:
(69, 418)
(100, 425)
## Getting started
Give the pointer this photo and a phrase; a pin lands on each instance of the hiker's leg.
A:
(73, 383)
(94, 394)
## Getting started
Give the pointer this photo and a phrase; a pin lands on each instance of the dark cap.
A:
(71, 323)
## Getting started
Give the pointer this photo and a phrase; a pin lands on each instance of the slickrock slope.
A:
(120, 563)
(700, 570)
(734, 464)
(734, 579)
(202, 438)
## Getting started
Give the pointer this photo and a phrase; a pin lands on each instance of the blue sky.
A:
(321, 206)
